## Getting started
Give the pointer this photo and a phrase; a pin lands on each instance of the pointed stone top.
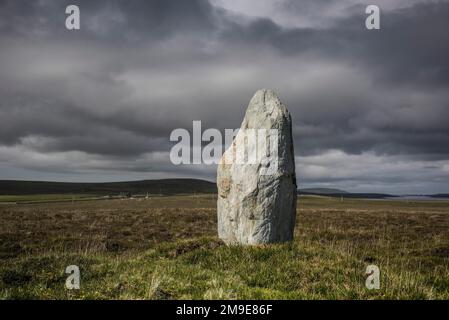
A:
(265, 110)
(263, 96)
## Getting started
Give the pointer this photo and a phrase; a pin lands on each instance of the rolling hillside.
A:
(163, 186)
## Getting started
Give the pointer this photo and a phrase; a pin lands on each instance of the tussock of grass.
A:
(155, 250)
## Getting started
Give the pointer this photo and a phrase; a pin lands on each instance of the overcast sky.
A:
(370, 107)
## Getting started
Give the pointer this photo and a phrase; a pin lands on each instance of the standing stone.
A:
(257, 200)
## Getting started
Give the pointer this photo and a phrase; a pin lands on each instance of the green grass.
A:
(166, 248)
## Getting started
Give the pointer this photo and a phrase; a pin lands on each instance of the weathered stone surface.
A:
(257, 202)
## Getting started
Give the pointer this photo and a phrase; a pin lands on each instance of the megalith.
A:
(256, 177)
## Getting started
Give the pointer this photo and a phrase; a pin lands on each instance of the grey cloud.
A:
(139, 69)
(108, 20)
(411, 46)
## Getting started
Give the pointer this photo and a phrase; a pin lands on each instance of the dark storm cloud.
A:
(412, 45)
(64, 98)
(112, 92)
(408, 55)
(111, 20)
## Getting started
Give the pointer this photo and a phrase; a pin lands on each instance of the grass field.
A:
(166, 248)
(43, 197)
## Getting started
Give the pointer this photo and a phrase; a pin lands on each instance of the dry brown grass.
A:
(166, 248)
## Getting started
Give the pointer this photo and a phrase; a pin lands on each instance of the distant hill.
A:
(322, 191)
(329, 192)
(439, 195)
(162, 186)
